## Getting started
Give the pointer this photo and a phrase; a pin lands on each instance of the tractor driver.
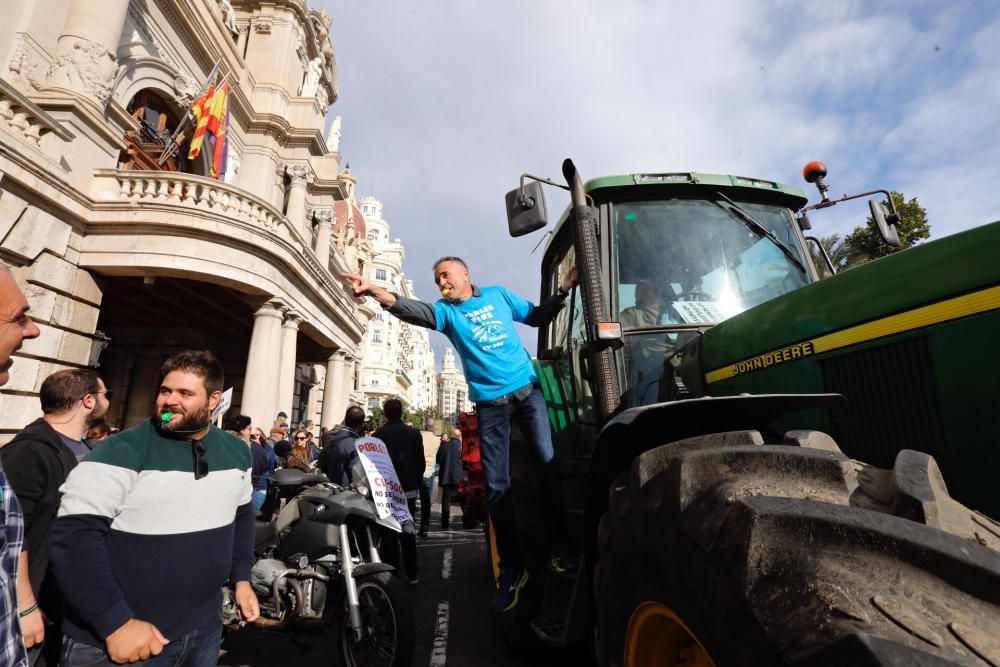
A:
(479, 321)
(648, 350)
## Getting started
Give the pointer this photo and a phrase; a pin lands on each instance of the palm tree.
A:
(842, 255)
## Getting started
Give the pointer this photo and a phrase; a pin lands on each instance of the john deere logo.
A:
(774, 358)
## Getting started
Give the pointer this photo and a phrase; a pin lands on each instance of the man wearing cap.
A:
(479, 321)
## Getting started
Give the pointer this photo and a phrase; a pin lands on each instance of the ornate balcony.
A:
(181, 224)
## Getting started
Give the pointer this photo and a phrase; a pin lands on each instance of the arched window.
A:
(158, 120)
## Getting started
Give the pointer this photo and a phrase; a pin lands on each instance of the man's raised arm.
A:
(362, 288)
(409, 310)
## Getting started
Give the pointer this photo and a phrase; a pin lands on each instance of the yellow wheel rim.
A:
(657, 637)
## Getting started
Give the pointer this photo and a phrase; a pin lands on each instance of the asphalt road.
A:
(454, 624)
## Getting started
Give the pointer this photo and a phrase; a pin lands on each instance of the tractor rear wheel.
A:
(723, 550)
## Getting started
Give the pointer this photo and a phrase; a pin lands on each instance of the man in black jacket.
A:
(37, 462)
(338, 449)
(406, 449)
(449, 461)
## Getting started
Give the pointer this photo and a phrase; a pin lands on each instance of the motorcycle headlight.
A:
(303, 561)
(363, 490)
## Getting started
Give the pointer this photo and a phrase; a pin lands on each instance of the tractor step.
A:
(561, 616)
(550, 631)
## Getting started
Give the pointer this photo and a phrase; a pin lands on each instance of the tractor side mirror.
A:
(526, 209)
(885, 222)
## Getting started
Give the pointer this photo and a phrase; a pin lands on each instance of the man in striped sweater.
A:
(153, 522)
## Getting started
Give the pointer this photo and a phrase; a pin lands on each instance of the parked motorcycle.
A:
(317, 563)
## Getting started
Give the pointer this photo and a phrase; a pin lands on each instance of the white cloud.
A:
(445, 104)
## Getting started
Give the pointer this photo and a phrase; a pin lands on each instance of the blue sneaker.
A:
(509, 586)
(562, 562)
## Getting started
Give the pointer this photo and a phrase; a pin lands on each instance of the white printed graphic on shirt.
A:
(486, 330)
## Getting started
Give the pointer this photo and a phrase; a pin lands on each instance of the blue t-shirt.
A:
(482, 330)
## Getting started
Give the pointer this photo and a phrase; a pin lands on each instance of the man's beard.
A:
(96, 417)
(190, 421)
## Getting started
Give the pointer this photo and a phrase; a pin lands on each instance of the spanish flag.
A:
(209, 111)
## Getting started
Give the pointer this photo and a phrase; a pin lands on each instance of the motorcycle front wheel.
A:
(386, 621)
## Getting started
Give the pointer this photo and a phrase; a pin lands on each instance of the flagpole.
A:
(173, 146)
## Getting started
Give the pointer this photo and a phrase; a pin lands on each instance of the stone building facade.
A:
(397, 360)
(126, 256)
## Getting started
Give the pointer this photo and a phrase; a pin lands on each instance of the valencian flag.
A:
(211, 112)
(220, 152)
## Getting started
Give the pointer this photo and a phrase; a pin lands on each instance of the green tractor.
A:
(711, 402)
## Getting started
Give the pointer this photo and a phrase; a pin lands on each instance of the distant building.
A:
(453, 392)
(397, 360)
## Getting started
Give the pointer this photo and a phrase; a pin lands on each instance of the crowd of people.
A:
(74, 516)
(88, 513)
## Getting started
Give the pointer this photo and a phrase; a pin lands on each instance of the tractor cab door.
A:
(562, 357)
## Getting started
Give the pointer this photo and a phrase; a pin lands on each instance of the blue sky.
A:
(445, 104)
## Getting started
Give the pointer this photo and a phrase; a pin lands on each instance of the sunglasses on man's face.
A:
(107, 394)
(198, 450)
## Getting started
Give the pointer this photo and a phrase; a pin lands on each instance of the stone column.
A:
(324, 222)
(86, 63)
(348, 384)
(262, 366)
(300, 175)
(333, 391)
(286, 370)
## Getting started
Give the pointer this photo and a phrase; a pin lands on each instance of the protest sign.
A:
(387, 492)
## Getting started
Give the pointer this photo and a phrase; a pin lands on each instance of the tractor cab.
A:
(681, 265)
(679, 253)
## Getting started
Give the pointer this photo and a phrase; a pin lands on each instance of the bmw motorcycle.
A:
(317, 563)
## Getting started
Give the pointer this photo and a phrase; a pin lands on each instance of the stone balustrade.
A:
(206, 197)
(170, 187)
(25, 119)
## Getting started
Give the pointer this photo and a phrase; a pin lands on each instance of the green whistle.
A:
(165, 417)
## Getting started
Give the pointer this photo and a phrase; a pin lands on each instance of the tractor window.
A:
(692, 262)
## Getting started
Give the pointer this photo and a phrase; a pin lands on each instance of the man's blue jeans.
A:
(494, 449)
(198, 648)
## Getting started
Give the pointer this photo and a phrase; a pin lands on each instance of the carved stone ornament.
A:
(23, 68)
(311, 82)
(228, 15)
(185, 89)
(88, 65)
(300, 172)
(263, 25)
(323, 98)
(333, 135)
(323, 217)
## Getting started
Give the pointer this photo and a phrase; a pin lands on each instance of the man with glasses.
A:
(15, 326)
(153, 523)
(37, 462)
